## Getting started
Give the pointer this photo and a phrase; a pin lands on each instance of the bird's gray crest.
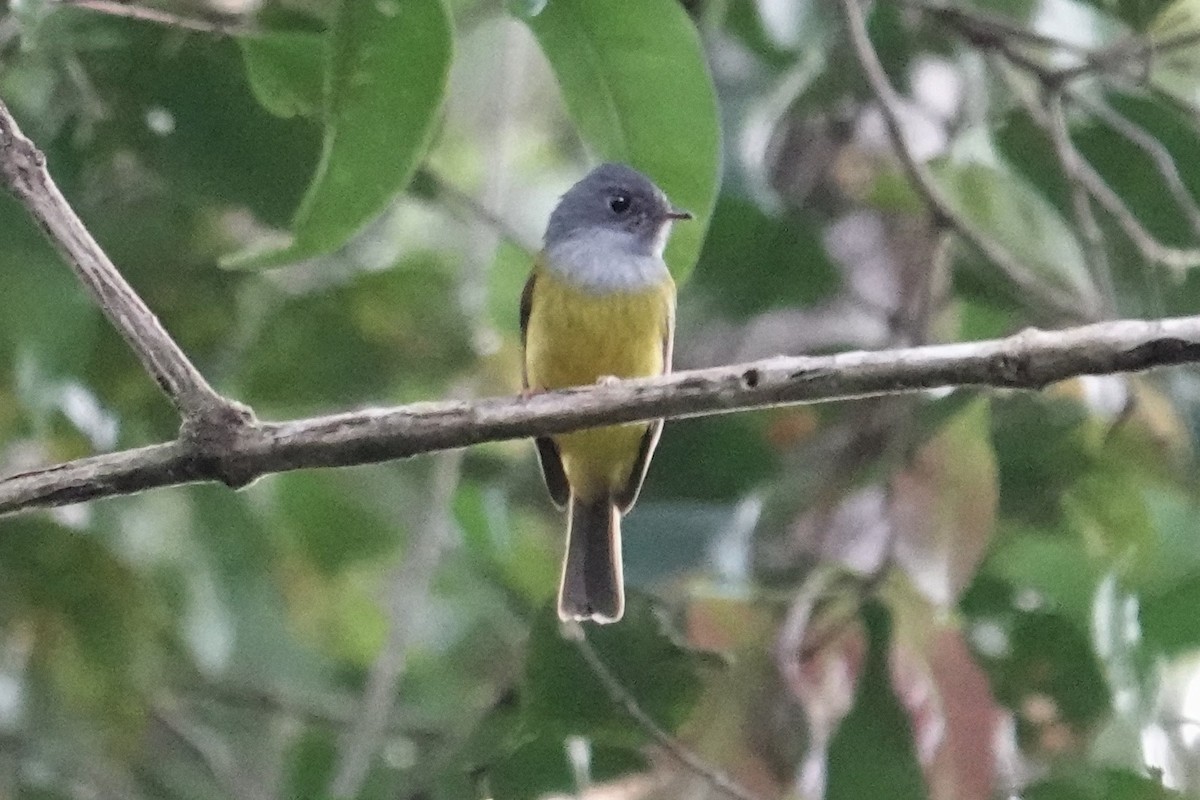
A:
(614, 197)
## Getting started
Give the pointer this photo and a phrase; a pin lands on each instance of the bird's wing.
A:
(547, 450)
(628, 494)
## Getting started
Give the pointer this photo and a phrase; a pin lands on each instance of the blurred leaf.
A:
(390, 60)
(1032, 479)
(242, 556)
(964, 765)
(525, 8)
(872, 753)
(944, 505)
(1051, 566)
(1168, 619)
(541, 767)
(506, 278)
(512, 552)
(562, 696)
(91, 624)
(635, 81)
(310, 764)
(352, 343)
(212, 141)
(1176, 70)
(1101, 784)
(752, 262)
(328, 518)
(45, 314)
(287, 71)
(1175, 557)
(665, 539)
(534, 769)
(682, 469)
(1050, 676)
(1003, 206)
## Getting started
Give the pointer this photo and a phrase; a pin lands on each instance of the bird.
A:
(599, 305)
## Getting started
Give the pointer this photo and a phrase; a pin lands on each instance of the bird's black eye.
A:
(619, 203)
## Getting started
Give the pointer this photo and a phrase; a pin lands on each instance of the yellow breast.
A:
(574, 338)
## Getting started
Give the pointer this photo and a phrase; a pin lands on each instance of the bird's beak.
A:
(678, 214)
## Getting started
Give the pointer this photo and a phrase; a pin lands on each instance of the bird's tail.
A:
(592, 586)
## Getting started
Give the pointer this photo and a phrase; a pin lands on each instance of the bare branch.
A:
(23, 172)
(624, 698)
(1061, 302)
(1178, 260)
(408, 588)
(1081, 202)
(208, 748)
(1119, 56)
(1031, 360)
(158, 16)
(1151, 146)
(977, 24)
(1082, 175)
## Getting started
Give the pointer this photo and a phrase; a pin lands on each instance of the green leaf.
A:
(561, 693)
(325, 513)
(351, 343)
(287, 71)
(384, 87)
(1005, 207)
(525, 8)
(1175, 71)
(944, 505)
(1101, 784)
(753, 262)
(541, 767)
(876, 725)
(747, 458)
(635, 81)
(93, 623)
(45, 314)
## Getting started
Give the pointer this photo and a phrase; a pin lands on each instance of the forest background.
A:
(333, 206)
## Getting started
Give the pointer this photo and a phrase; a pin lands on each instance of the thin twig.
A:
(977, 23)
(158, 16)
(1178, 260)
(215, 754)
(1058, 301)
(621, 696)
(1150, 145)
(23, 171)
(1081, 203)
(1082, 174)
(476, 210)
(408, 589)
(1028, 360)
(1119, 54)
(333, 710)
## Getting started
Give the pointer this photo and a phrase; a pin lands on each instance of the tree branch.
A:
(1062, 303)
(206, 414)
(408, 588)
(1153, 148)
(158, 16)
(1081, 202)
(619, 694)
(1082, 177)
(1031, 360)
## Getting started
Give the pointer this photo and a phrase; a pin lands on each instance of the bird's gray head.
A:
(615, 199)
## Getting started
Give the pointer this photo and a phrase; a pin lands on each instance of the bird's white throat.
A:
(600, 260)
